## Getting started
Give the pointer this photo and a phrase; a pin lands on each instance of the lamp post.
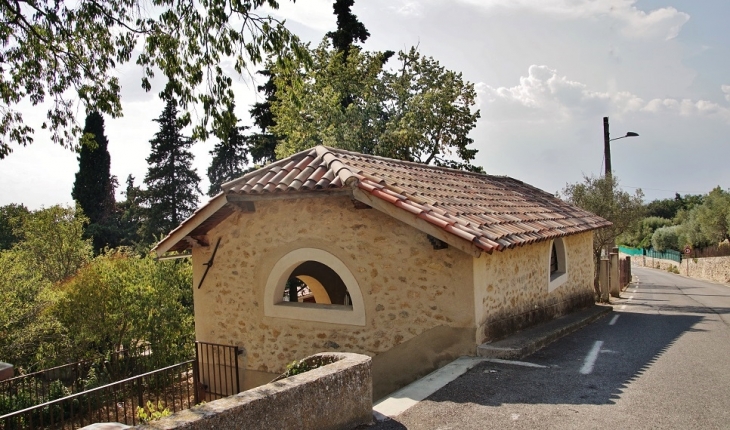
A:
(607, 144)
(611, 249)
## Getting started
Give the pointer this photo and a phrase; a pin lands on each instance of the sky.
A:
(546, 73)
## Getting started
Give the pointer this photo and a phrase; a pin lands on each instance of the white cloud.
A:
(407, 8)
(664, 23)
(315, 14)
(687, 107)
(726, 90)
(544, 95)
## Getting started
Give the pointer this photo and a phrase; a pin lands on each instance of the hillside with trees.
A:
(62, 304)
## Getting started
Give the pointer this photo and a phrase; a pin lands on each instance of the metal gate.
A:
(216, 371)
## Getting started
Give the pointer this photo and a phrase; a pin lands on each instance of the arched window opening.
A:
(558, 264)
(314, 282)
(311, 284)
(553, 260)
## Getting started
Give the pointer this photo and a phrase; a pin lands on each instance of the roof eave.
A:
(184, 229)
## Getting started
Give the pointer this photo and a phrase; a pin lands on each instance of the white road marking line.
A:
(516, 363)
(408, 396)
(591, 358)
(613, 320)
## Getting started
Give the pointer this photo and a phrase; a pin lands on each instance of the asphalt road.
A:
(660, 360)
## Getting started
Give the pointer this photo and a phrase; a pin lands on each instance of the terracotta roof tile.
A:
(492, 212)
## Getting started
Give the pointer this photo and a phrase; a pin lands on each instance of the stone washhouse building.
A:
(413, 265)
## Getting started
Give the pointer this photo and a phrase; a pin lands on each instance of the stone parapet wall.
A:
(335, 396)
(715, 269)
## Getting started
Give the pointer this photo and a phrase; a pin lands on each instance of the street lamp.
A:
(607, 144)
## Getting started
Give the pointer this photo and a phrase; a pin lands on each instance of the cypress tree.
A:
(349, 29)
(230, 158)
(172, 183)
(93, 180)
(262, 145)
(94, 185)
(131, 214)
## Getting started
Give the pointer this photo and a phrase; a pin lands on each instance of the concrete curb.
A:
(528, 341)
(398, 402)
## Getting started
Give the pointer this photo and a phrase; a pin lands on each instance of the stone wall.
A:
(511, 287)
(335, 396)
(409, 289)
(715, 269)
(654, 263)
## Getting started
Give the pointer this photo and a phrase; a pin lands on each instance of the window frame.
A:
(275, 306)
(559, 277)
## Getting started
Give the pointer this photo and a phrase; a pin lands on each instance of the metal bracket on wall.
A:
(209, 264)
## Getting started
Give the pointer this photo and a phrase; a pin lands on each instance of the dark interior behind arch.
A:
(329, 279)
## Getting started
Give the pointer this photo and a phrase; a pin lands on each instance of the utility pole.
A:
(606, 147)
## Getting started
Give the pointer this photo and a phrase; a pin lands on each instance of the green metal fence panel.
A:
(630, 251)
(669, 254)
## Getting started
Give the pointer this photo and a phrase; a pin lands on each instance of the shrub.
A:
(152, 412)
(666, 238)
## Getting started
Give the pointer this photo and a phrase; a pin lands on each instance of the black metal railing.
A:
(49, 384)
(171, 388)
(34, 388)
(217, 370)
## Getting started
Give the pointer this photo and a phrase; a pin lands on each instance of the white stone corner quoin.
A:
(274, 306)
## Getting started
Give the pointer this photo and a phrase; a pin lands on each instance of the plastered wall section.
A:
(407, 286)
(511, 287)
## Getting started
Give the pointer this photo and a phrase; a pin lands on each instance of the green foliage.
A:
(263, 144)
(640, 235)
(59, 304)
(128, 301)
(712, 217)
(418, 112)
(349, 28)
(11, 217)
(305, 365)
(673, 269)
(152, 412)
(665, 208)
(665, 238)
(27, 396)
(94, 186)
(51, 249)
(230, 157)
(53, 242)
(30, 336)
(66, 53)
(296, 367)
(172, 183)
(603, 197)
(131, 215)
(704, 220)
